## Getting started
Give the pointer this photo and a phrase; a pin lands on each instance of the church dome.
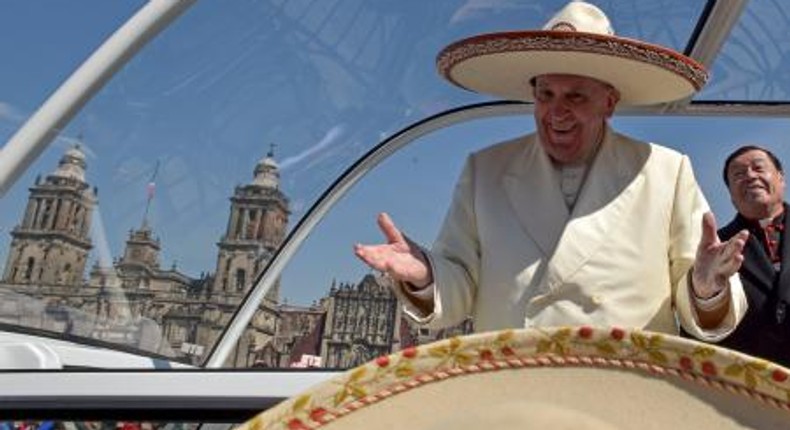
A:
(267, 172)
(268, 162)
(75, 152)
(72, 164)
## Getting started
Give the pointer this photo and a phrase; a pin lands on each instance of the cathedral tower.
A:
(256, 227)
(51, 244)
(142, 249)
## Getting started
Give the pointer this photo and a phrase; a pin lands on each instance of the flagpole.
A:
(150, 189)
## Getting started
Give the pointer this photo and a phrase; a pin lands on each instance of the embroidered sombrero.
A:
(559, 378)
(578, 40)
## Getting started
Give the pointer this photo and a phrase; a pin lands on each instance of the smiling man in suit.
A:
(756, 182)
(575, 224)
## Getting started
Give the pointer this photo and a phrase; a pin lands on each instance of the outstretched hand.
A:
(400, 258)
(716, 261)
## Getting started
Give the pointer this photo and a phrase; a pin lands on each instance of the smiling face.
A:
(570, 114)
(756, 186)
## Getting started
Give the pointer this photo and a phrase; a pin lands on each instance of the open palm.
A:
(400, 258)
(716, 261)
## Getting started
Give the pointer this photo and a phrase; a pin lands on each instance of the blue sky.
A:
(324, 81)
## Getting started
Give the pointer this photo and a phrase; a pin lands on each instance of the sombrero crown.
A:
(578, 40)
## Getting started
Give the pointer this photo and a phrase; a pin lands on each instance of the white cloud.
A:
(473, 8)
(10, 113)
(331, 136)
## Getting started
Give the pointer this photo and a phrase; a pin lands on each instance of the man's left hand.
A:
(716, 260)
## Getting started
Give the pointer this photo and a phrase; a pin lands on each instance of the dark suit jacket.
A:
(759, 334)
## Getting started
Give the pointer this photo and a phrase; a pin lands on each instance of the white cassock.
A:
(511, 254)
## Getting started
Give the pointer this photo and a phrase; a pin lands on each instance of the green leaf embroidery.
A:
(404, 372)
(751, 381)
(561, 335)
(505, 336)
(544, 346)
(357, 374)
(605, 348)
(703, 352)
(301, 403)
(758, 366)
(658, 356)
(734, 370)
(639, 340)
(438, 352)
(656, 340)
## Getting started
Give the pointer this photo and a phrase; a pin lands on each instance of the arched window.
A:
(226, 275)
(241, 279)
(65, 276)
(31, 262)
(45, 217)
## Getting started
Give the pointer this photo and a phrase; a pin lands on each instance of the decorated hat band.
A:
(564, 377)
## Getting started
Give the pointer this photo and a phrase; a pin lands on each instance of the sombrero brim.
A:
(502, 65)
(548, 378)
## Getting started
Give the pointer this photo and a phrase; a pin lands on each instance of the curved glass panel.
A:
(755, 60)
(145, 222)
(341, 313)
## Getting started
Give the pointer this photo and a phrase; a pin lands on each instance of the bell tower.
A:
(51, 244)
(256, 227)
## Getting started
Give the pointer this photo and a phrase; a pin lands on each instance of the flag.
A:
(150, 188)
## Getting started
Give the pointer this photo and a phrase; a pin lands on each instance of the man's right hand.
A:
(400, 258)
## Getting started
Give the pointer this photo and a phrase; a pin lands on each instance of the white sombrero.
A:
(578, 40)
(560, 378)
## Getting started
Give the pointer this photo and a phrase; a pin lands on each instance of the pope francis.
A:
(575, 224)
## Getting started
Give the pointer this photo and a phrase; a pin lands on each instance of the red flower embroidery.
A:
(617, 333)
(486, 355)
(383, 361)
(410, 352)
(686, 363)
(779, 375)
(317, 414)
(709, 368)
(585, 332)
(297, 424)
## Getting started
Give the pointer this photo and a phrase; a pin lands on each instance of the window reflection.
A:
(754, 60)
(353, 316)
(326, 80)
(136, 301)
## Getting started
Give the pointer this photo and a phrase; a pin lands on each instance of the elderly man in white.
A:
(575, 224)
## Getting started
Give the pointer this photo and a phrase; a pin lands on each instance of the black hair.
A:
(747, 148)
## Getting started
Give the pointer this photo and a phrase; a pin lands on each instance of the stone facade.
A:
(363, 322)
(140, 305)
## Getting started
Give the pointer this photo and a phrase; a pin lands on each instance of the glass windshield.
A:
(754, 60)
(149, 217)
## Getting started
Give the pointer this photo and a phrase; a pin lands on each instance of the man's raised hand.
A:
(716, 261)
(400, 258)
